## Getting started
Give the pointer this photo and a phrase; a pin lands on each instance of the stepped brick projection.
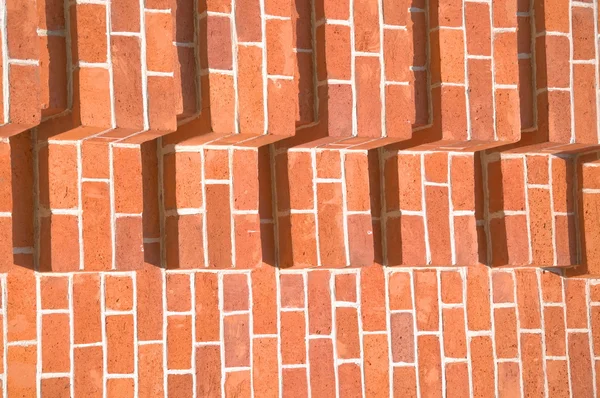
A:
(231, 198)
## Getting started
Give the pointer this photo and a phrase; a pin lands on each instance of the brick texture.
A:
(312, 198)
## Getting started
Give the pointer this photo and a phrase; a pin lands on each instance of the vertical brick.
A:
(373, 298)
(322, 368)
(294, 383)
(329, 213)
(554, 331)
(438, 225)
(264, 363)
(319, 303)
(264, 300)
(149, 308)
(426, 300)
(238, 384)
(509, 383)
(150, 370)
(179, 342)
(96, 207)
(21, 372)
(580, 365)
(88, 370)
(120, 344)
(528, 299)
(429, 364)
(347, 337)
(20, 305)
(293, 349)
(506, 338)
(482, 362)
(457, 380)
(235, 292)
(179, 385)
(218, 222)
(55, 343)
(375, 365)
(208, 370)
(349, 380)
(120, 388)
(250, 93)
(178, 292)
(558, 378)
(455, 340)
(575, 299)
(402, 337)
(400, 291)
(54, 292)
(236, 340)
(207, 307)
(478, 302)
(86, 308)
(345, 287)
(531, 357)
(368, 78)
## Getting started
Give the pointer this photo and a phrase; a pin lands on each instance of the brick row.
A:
(369, 331)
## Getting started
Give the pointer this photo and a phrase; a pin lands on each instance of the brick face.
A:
(328, 197)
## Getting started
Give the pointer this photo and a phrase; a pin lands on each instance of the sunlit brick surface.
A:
(311, 198)
(368, 332)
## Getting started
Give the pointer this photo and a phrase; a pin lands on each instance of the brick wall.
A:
(299, 197)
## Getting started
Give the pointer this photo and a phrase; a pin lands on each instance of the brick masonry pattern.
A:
(358, 332)
(299, 198)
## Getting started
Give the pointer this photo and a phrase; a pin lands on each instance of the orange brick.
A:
(179, 295)
(293, 337)
(368, 78)
(372, 293)
(208, 368)
(120, 388)
(402, 332)
(88, 370)
(55, 343)
(97, 220)
(264, 363)
(207, 307)
(376, 374)
(347, 339)
(429, 361)
(21, 374)
(54, 292)
(250, 93)
(86, 308)
(322, 368)
(236, 341)
(179, 341)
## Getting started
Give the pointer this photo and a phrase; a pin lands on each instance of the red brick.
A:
(264, 363)
(322, 368)
(179, 385)
(208, 370)
(375, 365)
(54, 292)
(333, 52)
(150, 370)
(291, 287)
(575, 299)
(218, 222)
(554, 331)
(96, 207)
(373, 298)
(118, 292)
(293, 338)
(350, 383)
(429, 364)
(531, 357)
(438, 224)
(251, 116)
(482, 362)
(503, 287)
(264, 297)
(399, 293)
(86, 308)
(248, 21)
(279, 41)
(55, 387)
(319, 303)
(478, 298)
(345, 287)
(426, 300)
(552, 287)
(294, 383)
(347, 333)
(368, 78)
(235, 292)
(178, 292)
(457, 380)
(179, 342)
(402, 337)
(87, 371)
(528, 299)
(120, 388)
(451, 287)
(149, 309)
(455, 341)
(55, 343)
(506, 338)
(558, 378)
(127, 78)
(580, 365)
(509, 383)
(583, 25)
(237, 340)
